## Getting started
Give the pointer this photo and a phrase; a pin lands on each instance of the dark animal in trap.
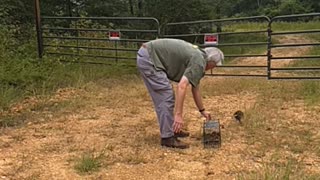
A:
(211, 134)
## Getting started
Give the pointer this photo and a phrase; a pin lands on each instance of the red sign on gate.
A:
(211, 39)
(114, 35)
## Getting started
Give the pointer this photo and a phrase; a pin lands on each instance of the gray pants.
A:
(160, 90)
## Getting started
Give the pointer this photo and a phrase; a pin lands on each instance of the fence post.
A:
(269, 51)
(38, 27)
(116, 47)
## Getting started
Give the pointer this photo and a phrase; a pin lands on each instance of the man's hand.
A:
(178, 123)
(206, 114)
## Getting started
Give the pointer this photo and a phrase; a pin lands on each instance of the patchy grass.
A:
(287, 170)
(87, 163)
(310, 92)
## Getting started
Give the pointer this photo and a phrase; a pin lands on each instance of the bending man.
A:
(163, 60)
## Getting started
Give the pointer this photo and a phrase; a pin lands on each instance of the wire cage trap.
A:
(211, 134)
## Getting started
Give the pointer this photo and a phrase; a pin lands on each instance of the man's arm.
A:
(181, 94)
(197, 97)
(198, 100)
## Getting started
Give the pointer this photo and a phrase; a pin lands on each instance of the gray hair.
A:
(215, 55)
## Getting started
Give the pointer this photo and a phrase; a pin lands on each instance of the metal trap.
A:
(211, 134)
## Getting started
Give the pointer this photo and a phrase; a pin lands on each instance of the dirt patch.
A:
(44, 149)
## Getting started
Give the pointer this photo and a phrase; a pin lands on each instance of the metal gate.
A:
(233, 39)
(274, 60)
(104, 38)
(300, 57)
(96, 37)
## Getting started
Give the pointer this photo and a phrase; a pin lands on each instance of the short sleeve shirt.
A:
(177, 58)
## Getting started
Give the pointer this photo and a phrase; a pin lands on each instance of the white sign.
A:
(211, 39)
(114, 35)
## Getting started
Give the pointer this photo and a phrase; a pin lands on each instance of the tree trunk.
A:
(69, 8)
(131, 7)
(218, 14)
(140, 6)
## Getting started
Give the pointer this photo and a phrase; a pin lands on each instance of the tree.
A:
(17, 16)
(291, 7)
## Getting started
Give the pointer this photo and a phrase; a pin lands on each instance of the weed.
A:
(135, 159)
(88, 163)
(11, 121)
(291, 169)
(7, 122)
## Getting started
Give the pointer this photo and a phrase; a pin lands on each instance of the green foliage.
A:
(15, 12)
(286, 8)
(17, 16)
(291, 7)
(20, 12)
(177, 11)
(24, 77)
(21, 74)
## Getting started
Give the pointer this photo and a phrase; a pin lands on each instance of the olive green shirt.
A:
(177, 58)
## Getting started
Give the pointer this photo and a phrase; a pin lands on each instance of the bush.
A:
(22, 74)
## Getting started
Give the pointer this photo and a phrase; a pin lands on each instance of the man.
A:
(162, 60)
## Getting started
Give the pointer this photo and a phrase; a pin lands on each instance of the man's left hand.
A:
(177, 124)
(206, 114)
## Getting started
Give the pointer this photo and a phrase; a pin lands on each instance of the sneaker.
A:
(182, 134)
(173, 142)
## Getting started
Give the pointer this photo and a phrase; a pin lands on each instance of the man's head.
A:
(214, 58)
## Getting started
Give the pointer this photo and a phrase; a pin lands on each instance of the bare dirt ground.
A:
(117, 126)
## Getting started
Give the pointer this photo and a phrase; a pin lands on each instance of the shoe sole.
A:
(165, 146)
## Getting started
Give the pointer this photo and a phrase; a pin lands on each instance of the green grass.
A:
(87, 164)
(294, 26)
(91, 161)
(25, 77)
(310, 92)
(291, 169)
(309, 89)
(243, 38)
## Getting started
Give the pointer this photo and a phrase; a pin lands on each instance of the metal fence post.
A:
(116, 49)
(269, 51)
